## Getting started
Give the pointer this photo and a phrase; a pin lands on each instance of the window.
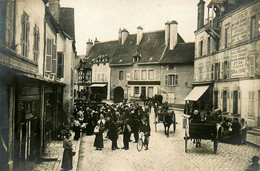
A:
(136, 59)
(48, 55)
(136, 91)
(137, 75)
(208, 45)
(25, 35)
(217, 71)
(224, 102)
(9, 31)
(253, 27)
(101, 77)
(144, 75)
(212, 72)
(54, 58)
(226, 38)
(201, 48)
(36, 43)
(121, 75)
(225, 70)
(172, 80)
(60, 67)
(151, 74)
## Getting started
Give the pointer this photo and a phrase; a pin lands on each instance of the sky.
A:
(102, 19)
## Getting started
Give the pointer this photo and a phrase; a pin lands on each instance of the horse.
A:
(168, 119)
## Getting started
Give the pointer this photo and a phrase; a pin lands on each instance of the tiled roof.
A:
(102, 49)
(182, 53)
(66, 21)
(150, 48)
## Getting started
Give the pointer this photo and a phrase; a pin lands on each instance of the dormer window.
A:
(136, 59)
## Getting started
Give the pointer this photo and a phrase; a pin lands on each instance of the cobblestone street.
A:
(165, 154)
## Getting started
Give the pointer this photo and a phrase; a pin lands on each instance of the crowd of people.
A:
(112, 120)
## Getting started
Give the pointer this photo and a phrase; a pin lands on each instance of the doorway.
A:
(235, 102)
(118, 94)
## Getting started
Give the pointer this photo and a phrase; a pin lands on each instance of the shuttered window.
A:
(25, 34)
(60, 65)
(48, 55)
(36, 43)
(54, 58)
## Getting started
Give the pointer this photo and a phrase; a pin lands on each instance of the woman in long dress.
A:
(67, 154)
(98, 131)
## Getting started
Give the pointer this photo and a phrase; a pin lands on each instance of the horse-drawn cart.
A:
(201, 131)
(167, 117)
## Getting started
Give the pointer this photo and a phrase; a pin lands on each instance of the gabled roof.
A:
(182, 53)
(150, 48)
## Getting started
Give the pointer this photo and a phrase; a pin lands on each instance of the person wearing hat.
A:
(146, 129)
(126, 134)
(67, 154)
(195, 118)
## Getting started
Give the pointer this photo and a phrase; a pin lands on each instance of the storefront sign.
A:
(239, 27)
(29, 91)
(238, 62)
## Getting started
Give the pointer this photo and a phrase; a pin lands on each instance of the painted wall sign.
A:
(238, 62)
(239, 27)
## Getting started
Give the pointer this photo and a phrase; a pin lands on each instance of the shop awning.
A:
(196, 93)
(97, 85)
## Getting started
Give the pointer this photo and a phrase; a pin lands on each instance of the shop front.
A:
(27, 123)
(199, 99)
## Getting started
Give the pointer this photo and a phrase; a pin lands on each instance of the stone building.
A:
(34, 54)
(146, 64)
(226, 67)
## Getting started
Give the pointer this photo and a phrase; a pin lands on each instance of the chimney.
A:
(119, 35)
(167, 33)
(173, 34)
(89, 45)
(124, 35)
(54, 6)
(96, 41)
(200, 22)
(139, 35)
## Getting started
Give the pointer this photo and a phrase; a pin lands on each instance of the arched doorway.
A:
(118, 94)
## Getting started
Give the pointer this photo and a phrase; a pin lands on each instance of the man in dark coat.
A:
(113, 134)
(146, 129)
(236, 127)
(126, 134)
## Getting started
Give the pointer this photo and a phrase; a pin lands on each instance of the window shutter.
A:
(252, 65)
(166, 80)
(60, 65)
(54, 58)
(176, 79)
(48, 56)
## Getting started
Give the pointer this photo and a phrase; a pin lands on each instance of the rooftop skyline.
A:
(102, 19)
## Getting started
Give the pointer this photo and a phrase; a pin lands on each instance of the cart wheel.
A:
(186, 140)
(139, 145)
(215, 146)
